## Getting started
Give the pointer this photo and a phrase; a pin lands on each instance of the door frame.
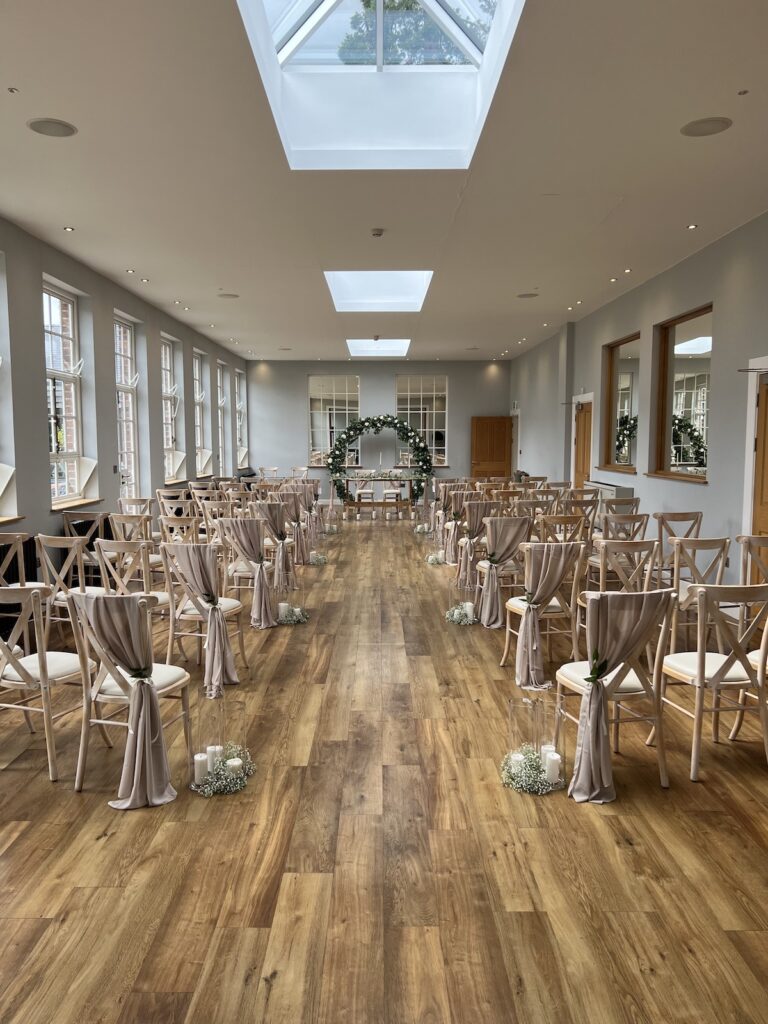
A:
(588, 398)
(515, 415)
(758, 366)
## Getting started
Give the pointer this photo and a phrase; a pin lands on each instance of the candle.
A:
(469, 608)
(214, 753)
(201, 767)
(312, 556)
(282, 609)
(297, 611)
(441, 554)
(546, 748)
(235, 766)
(553, 767)
(379, 458)
(517, 759)
(386, 516)
(358, 516)
(413, 514)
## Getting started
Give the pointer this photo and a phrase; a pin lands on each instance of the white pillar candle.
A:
(282, 609)
(296, 611)
(312, 556)
(235, 766)
(553, 763)
(379, 458)
(344, 516)
(386, 516)
(469, 609)
(358, 516)
(441, 554)
(413, 513)
(546, 748)
(517, 759)
(201, 767)
(214, 753)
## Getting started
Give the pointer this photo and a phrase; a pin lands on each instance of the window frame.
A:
(221, 419)
(131, 390)
(664, 350)
(424, 428)
(609, 421)
(169, 400)
(198, 398)
(241, 419)
(353, 451)
(66, 377)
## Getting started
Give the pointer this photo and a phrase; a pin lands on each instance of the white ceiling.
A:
(177, 170)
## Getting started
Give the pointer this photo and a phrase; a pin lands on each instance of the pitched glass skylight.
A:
(357, 119)
(379, 348)
(378, 291)
(694, 347)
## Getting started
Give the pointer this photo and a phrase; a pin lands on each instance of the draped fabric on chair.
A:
(198, 565)
(504, 538)
(474, 514)
(247, 537)
(451, 527)
(121, 627)
(616, 624)
(274, 516)
(546, 568)
(292, 503)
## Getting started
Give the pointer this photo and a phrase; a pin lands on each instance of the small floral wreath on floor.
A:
(294, 617)
(458, 616)
(435, 560)
(220, 781)
(337, 457)
(528, 775)
(318, 558)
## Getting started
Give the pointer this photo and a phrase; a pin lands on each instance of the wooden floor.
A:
(375, 870)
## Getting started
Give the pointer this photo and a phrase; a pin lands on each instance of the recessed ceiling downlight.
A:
(706, 126)
(52, 127)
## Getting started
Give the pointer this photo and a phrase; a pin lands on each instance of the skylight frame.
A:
(378, 291)
(378, 348)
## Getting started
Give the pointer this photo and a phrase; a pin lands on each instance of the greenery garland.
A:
(337, 457)
(626, 432)
(695, 449)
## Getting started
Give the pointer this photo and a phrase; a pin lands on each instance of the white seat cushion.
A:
(685, 665)
(510, 570)
(227, 604)
(61, 599)
(574, 675)
(164, 677)
(60, 664)
(519, 604)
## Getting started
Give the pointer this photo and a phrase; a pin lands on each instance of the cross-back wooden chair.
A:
(181, 529)
(179, 507)
(171, 494)
(733, 668)
(620, 506)
(62, 567)
(107, 692)
(559, 485)
(586, 507)
(131, 526)
(533, 506)
(624, 526)
(632, 681)
(32, 675)
(129, 567)
(626, 565)
(90, 526)
(671, 525)
(12, 569)
(535, 481)
(696, 562)
(137, 506)
(561, 527)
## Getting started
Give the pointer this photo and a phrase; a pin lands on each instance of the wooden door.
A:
(760, 492)
(491, 445)
(583, 443)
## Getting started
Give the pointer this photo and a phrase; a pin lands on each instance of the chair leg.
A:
(50, 740)
(508, 643)
(242, 644)
(105, 735)
(697, 724)
(739, 716)
(82, 755)
(616, 724)
(763, 716)
(716, 717)
(187, 728)
(169, 651)
(28, 720)
(661, 750)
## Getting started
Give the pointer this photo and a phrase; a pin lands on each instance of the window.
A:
(63, 388)
(126, 381)
(621, 361)
(333, 403)
(221, 410)
(170, 408)
(682, 431)
(241, 420)
(202, 454)
(423, 403)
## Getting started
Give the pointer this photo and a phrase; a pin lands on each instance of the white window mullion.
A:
(453, 30)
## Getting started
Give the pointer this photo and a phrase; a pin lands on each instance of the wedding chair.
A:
(620, 506)
(274, 515)
(179, 507)
(248, 566)
(559, 528)
(200, 485)
(110, 691)
(586, 507)
(732, 669)
(33, 675)
(453, 523)
(62, 562)
(291, 503)
(131, 526)
(137, 506)
(502, 567)
(193, 572)
(12, 569)
(624, 526)
(475, 514)
(620, 626)
(89, 526)
(171, 494)
(128, 567)
(625, 566)
(553, 577)
(536, 481)
(675, 524)
(181, 529)
(559, 485)
(505, 497)
(533, 506)
(695, 562)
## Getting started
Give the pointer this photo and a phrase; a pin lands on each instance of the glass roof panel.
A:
(347, 36)
(474, 17)
(411, 36)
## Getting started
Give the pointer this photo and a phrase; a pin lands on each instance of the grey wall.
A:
(731, 274)
(278, 407)
(24, 262)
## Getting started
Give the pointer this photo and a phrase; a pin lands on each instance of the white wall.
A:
(24, 261)
(278, 403)
(731, 274)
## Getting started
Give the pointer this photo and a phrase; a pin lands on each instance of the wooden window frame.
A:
(663, 415)
(608, 451)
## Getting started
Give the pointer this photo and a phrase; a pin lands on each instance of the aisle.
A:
(375, 870)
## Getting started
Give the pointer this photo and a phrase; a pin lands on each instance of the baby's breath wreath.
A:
(220, 781)
(337, 457)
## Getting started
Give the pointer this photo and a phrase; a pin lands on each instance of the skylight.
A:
(381, 348)
(378, 291)
(694, 347)
(380, 83)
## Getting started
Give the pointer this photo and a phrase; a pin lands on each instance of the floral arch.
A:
(337, 457)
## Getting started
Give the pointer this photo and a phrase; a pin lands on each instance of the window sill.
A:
(7, 520)
(682, 478)
(71, 506)
(174, 483)
(631, 470)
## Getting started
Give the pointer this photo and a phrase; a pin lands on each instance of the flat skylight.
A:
(378, 291)
(380, 83)
(694, 347)
(381, 348)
